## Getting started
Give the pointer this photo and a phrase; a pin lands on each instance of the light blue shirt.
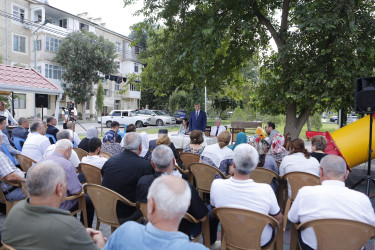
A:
(132, 235)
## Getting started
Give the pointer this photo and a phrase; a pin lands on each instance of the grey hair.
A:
(131, 141)
(217, 119)
(63, 144)
(162, 156)
(63, 134)
(333, 166)
(22, 120)
(246, 158)
(170, 201)
(69, 125)
(41, 179)
(35, 125)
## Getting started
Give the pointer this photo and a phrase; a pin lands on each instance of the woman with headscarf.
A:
(90, 133)
(241, 138)
(145, 143)
(110, 146)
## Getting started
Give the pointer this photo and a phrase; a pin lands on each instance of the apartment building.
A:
(28, 40)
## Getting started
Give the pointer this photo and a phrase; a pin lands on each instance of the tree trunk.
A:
(293, 123)
(308, 124)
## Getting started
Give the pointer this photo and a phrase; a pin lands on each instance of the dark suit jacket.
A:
(152, 146)
(52, 130)
(20, 132)
(199, 122)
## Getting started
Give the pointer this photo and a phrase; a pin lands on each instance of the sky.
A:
(112, 12)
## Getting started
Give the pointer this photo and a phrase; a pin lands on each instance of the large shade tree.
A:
(321, 47)
(84, 55)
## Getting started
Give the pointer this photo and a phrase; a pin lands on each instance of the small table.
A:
(181, 141)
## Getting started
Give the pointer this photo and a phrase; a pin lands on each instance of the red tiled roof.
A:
(17, 78)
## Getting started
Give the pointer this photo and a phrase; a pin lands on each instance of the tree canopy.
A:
(322, 46)
(84, 55)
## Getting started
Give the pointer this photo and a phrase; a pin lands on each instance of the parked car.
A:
(156, 117)
(179, 115)
(123, 117)
(333, 118)
(350, 118)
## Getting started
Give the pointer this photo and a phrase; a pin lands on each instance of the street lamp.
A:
(36, 40)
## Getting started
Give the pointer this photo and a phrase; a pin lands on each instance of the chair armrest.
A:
(10, 183)
(181, 170)
(190, 218)
(75, 196)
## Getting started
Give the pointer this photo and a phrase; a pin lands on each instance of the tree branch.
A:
(284, 20)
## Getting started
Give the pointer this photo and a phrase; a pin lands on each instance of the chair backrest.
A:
(263, 175)
(51, 137)
(25, 162)
(105, 154)
(208, 131)
(92, 173)
(339, 233)
(235, 132)
(142, 206)
(80, 152)
(243, 228)
(204, 175)
(105, 201)
(298, 180)
(7, 247)
(188, 158)
(8, 154)
(17, 142)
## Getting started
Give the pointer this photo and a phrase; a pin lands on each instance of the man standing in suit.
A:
(198, 119)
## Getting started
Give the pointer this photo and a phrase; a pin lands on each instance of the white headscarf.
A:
(145, 144)
(217, 154)
(91, 132)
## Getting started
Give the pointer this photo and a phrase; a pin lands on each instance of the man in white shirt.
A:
(36, 143)
(65, 113)
(63, 134)
(71, 127)
(94, 149)
(329, 200)
(216, 130)
(7, 114)
(239, 191)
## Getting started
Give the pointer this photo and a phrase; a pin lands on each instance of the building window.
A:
(106, 92)
(117, 86)
(83, 26)
(53, 44)
(117, 104)
(38, 45)
(118, 47)
(37, 16)
(63, 23)
(39, 69)
(118, 65)
(137, 49)
(53, 71)
(19, 43)
(20, 101)
(19, 13)
(135, 67)
(132, 87)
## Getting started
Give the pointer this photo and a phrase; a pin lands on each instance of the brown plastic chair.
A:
(105, 203)
(340, 233)
(296, 180)
(105, 154)
(8, 204)
(235, 132)
(80, 152)
(243, 228)
(208, 131)
(92, 173)
(142, 206)
(187, 159)
(6, 246)
(25, 162)
(263, 175)
(204, 175)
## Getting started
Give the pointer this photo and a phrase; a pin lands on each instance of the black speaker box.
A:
(41, 100)
(365, 95)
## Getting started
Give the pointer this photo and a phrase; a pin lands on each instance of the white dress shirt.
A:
(35, 146)
(94, 160)
(215, 128)
(74, 136)
(9, 117)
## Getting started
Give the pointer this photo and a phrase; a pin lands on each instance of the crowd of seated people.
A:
(146, 176)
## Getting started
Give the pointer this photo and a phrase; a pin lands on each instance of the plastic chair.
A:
(8, 204)
(204, 175)
(296, 181)
(7, 247)
(142, 206)
(263, 175)
(105, 203)
(80, 152)
(340, 233)
(51, 137)
(17, 142)
(8, 154)
(92, 173)
(243, 228)
(187, 159)
(105, 154)
(25, 162)
(74, 144)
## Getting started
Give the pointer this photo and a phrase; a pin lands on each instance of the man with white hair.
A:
(216, 130)
(329, 200)
(163, 163)
(61, 156)
(36, 143)
(239, 191)
(122, 171)
(168, 200)
(39, 223)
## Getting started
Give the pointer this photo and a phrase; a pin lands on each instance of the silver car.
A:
(156, 117)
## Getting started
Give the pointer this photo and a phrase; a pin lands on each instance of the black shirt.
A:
(318, 156)
(121, 174)
(197, 208)
(52, 130)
